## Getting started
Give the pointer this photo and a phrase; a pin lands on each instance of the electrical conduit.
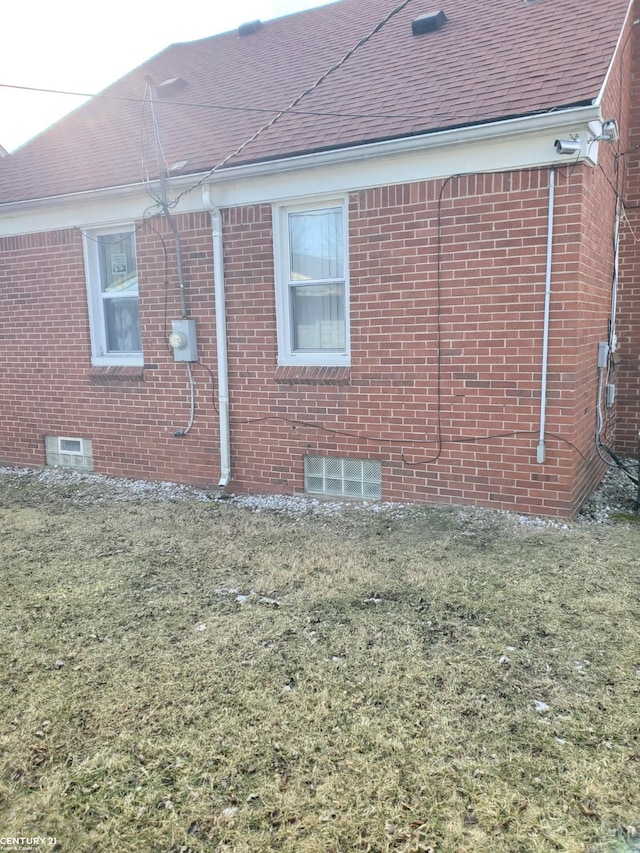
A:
(541, 450)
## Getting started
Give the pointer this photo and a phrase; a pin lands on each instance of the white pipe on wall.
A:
(541, 451)
(221, 337)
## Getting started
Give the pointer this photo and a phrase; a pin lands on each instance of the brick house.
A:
(380, 257)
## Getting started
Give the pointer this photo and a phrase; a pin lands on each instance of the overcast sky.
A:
(83, 46)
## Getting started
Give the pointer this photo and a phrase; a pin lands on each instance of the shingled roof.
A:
(491, 60)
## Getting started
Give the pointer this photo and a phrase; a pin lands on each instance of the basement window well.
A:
(343, 478)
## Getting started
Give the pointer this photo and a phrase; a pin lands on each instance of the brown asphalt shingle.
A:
(493, 59)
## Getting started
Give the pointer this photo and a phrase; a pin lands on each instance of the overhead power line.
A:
(204, 106)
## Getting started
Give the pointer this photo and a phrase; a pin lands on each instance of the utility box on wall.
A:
(183, 340)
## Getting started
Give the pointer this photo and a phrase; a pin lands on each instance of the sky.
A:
(83, 46)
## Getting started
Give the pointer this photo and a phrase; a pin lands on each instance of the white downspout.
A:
(221, 337)
(540, 456)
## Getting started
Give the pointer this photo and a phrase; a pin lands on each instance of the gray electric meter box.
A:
(183, 340)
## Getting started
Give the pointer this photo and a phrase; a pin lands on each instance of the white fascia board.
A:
(551, 122)
(497, 146)
(317, 175)
(94, 209)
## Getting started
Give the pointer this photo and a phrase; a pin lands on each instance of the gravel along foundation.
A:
(186, 674)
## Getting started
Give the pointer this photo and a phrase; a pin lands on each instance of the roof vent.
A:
(428, 23)
(170, 87)
(250, 28)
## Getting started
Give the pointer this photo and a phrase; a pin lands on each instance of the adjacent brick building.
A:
(399, 289)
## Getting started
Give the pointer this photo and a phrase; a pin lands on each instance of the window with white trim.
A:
(343, 477)
(312, 283)
(112, 286)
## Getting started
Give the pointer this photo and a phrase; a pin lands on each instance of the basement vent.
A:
(428, 23)
(250, 28)
(64, 452)
(343, 478)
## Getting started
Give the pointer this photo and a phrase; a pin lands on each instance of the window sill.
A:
(312, 375)
(115, 374)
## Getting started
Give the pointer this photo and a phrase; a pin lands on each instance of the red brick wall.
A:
(455, 423)
(465, 431)
(628, 372)
(49, 387)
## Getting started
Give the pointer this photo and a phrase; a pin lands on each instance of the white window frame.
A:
(287, 356)
(61, 449)
(100, 356)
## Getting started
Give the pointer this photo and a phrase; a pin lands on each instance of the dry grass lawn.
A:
(189, 676)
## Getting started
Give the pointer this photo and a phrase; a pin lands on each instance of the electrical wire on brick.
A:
(148, 223)
(617, 462)
(213, 384)
(603, 424)
(371, 439)
(439, 440)
(630, 227)
(180, 433)
(483, 439)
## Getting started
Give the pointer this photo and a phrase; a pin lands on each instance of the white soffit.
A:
(503, 146)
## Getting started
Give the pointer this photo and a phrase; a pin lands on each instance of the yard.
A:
(191, 675)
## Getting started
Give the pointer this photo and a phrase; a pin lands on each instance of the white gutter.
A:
(552, 121)
(221, 336)
(540, 123)
(540, 456)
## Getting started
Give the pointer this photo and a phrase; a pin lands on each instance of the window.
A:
(312, 284)
(70, 445)
(345, 478)
(112, 283)
(67, 452)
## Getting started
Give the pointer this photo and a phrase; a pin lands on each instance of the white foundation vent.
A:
(343, 478)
